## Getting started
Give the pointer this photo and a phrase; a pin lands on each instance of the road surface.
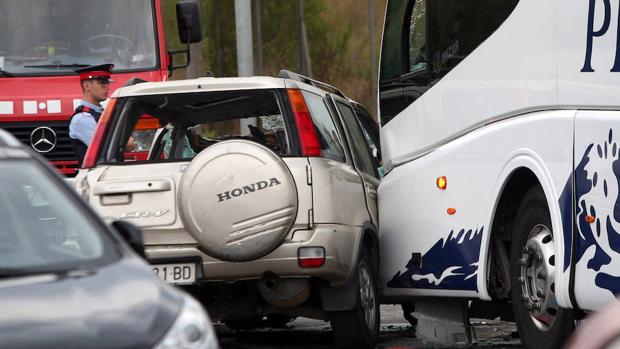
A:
(396, 333)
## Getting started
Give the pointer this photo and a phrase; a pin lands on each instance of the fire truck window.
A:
(55, 39)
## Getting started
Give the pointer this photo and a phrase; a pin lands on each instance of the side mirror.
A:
(132, 234)
(188, 20)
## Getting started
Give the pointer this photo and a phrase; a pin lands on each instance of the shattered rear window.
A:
(179, 126)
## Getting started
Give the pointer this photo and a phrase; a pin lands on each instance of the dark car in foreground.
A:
(67, 280)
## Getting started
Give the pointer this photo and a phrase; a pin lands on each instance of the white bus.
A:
(500, 133)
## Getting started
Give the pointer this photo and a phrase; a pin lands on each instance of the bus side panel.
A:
(424, 247)
(589, 78)
(597, 208)
(588, 54)
(513, 71)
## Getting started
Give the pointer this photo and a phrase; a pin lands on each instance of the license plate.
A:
(178, 274)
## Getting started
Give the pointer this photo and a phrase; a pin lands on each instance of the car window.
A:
(370, 129)
(187, 123)
(331, 145)
(360, 149)
(42, 228)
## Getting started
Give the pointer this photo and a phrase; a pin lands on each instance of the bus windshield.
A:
(51, 37)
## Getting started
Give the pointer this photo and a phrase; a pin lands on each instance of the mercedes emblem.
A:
(43, 139)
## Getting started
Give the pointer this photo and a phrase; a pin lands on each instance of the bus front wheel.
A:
(540, 321)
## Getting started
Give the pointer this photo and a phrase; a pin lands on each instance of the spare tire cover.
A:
(238, 199)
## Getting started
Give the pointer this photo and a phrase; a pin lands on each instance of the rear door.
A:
(361, 152)
(336, 185)
(144, 194)
(147, 192)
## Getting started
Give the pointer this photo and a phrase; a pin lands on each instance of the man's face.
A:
(98, 89)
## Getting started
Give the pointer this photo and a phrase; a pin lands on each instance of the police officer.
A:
(95, 81)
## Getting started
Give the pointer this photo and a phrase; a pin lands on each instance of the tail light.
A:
(311, 257)
(310, 145)
(90, 159)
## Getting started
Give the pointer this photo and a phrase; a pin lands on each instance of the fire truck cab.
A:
(42, 43)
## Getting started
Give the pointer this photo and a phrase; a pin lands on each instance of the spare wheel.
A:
(238, 199)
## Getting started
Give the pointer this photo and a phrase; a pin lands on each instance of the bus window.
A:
(404, 57)
(456, 29)
(417, 37)
(391, 62)
(423, 40)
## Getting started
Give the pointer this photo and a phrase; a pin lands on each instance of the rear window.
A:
(179, 126)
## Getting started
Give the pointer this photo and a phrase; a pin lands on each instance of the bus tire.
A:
(359, 327)
(541, 323)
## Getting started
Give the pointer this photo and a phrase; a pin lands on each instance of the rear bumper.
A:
(339, 241)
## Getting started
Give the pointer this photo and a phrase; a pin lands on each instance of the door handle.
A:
(110, 188)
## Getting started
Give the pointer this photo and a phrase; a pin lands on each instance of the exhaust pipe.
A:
(284, 293)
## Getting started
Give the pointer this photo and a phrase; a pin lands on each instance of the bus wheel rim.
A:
(537, 277)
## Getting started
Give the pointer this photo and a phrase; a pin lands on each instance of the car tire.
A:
(540, 322)
(359, 327)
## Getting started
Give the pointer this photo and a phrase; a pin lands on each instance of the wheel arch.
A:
(524, 170)
(343, 298)
(370, 240)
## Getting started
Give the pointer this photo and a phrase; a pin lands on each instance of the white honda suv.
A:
(258, 195)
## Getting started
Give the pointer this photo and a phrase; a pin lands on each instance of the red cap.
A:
(101, 72)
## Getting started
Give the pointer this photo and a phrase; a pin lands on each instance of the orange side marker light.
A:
(451, 211)
(590, 219)
(442, 182)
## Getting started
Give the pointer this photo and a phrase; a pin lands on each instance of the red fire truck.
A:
(43, 42)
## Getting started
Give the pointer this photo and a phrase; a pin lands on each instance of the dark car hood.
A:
(120, 305)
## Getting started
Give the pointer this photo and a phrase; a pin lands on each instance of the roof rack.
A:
(287, 74)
